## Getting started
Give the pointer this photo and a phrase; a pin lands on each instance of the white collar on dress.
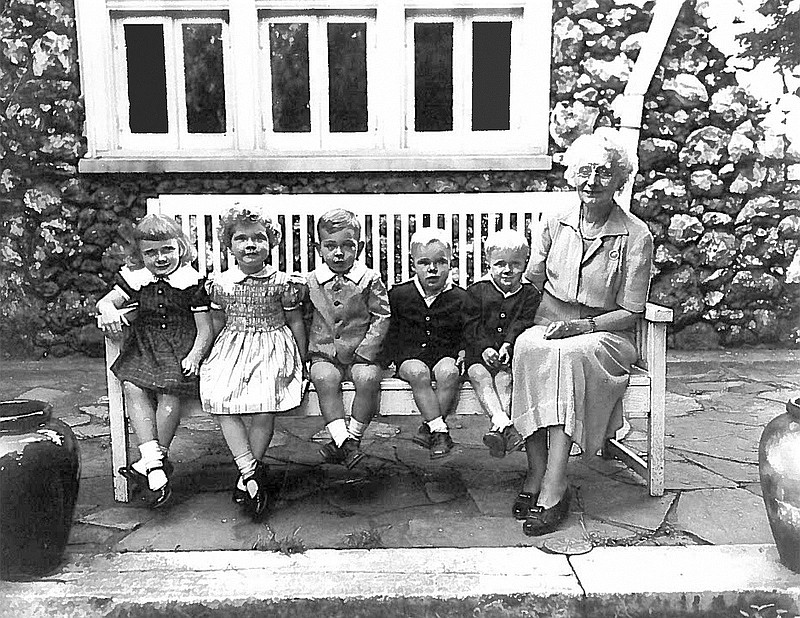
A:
(428, 299)
(235, 275)
(325, 274)
(181, 278)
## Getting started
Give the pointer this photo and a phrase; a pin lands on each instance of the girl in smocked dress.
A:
(160, 358)
(255, 367)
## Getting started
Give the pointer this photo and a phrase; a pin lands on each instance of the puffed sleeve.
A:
(635, 282)
(199, 300)
(212, 290)
(295, 292)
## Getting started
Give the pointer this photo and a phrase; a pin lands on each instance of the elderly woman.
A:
(592, 264)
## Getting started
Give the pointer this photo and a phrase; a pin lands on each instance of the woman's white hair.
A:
(602, 140)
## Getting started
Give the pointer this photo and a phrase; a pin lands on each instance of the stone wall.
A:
(712, 183)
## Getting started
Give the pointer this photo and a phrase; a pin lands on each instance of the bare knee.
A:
(326, 378)
(367, 378)
(447, 374)
(478, 374)
(416, 373)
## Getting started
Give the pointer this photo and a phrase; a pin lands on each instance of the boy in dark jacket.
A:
(424, 338)
(498, 308)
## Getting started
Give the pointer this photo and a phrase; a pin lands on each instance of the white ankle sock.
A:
(338, 431)
(357, 428)
(151, 456)
(247, 465)
(500, 422)
(437, 424)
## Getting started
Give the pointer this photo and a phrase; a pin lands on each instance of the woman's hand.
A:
(568, 328)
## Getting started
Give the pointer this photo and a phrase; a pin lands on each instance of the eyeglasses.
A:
(603, 173)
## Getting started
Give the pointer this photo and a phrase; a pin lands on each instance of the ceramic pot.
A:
(39, 477)
(779, 468)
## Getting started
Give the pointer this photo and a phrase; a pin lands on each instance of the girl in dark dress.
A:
(161, 353)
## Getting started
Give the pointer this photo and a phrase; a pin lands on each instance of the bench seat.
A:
(388, 220)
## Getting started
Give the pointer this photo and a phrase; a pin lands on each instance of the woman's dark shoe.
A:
(257, 503)
(543, 521)
(522, 505)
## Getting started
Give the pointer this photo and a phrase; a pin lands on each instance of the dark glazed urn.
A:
(39, 476)
(779, 467)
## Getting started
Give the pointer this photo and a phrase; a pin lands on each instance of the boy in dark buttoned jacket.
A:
(349, 322)
(425, 336)
(498, 308)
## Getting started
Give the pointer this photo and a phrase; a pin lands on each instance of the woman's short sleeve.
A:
(635, 282)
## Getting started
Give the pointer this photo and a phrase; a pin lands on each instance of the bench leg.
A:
(119, 426)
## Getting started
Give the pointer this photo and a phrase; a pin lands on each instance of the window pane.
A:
(205, 78)
(288, 44)
(491, 76)
(433, 77)
(147, 78)
(347, 77)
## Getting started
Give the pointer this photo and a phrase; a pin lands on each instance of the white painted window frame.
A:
(462, 137)
(248, 147)
(178, 137)
(320, 137)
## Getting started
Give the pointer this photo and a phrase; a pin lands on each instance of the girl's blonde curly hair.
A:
(239, 214)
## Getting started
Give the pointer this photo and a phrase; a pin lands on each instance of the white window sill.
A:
(155, 164)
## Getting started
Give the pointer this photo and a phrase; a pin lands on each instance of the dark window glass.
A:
(491, 76)
(205, 78)
(147, 78)
(291, 93)
(347, 77)
(433, 77)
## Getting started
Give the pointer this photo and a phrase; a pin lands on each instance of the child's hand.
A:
(191, 364)
(490, 357)
(111, 322)
(504, 356)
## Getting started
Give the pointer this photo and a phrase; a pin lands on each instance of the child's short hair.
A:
(427, 235)
(336, 220)
(507, 239)
(238, 214)
(156, 227)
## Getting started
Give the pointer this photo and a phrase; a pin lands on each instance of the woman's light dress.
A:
(578, 382)
(255, 364)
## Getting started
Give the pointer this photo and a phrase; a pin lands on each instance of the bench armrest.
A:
(657, 313)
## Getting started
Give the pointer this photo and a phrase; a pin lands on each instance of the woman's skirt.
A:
(577, 382)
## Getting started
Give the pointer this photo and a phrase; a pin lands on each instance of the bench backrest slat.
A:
(388, 221)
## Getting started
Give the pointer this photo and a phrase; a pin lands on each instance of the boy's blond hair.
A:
(427, 235)
(338, 219)
(506, 239)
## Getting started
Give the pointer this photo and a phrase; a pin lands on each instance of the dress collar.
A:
(183, 277)
(235, 275)
(325, 274)
(614, 225)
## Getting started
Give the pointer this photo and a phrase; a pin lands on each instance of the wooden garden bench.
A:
(388, 220)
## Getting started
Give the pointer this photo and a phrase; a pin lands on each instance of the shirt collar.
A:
(488, 277)
(429, 298)
(325, 274)
(614, 225)
(183, 277)
(235, 275)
